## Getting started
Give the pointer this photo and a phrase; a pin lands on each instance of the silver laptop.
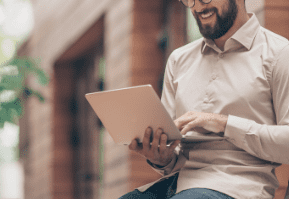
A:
(127, 112)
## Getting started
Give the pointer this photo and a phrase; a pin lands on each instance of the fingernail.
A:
(148, 130)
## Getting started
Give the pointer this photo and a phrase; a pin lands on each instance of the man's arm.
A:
(268, 142)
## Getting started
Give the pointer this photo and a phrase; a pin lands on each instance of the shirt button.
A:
(221, 55)
(214, 76)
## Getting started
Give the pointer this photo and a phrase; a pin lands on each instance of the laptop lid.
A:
(127, 112)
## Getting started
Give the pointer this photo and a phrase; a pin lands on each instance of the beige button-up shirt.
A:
(249, 82)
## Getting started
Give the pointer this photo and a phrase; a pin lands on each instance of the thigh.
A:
(200, 193)
(163, 189)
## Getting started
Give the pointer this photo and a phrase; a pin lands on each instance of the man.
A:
(234, 82)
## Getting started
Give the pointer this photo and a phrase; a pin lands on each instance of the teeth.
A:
(204, 16)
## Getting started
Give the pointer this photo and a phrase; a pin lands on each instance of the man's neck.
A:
(241, 19)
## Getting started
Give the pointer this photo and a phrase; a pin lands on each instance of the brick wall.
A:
(152, 20)
(277, 16)
(36, 151)
(45, 145)
(118, 24)
(62, 125)
(277, 20)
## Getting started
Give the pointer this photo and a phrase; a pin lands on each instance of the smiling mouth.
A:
(207, 15)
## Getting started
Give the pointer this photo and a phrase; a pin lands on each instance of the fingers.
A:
(146, 140)
(157, 152)
(163, 143)
(190, 126)
(179, 123)
(174, 145)
(134, 146)
(156, 140)
(185, 119)
(201, 130)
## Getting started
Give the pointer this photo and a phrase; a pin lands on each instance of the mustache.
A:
(205, 11)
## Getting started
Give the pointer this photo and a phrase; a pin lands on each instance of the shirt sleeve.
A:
(169, 90)
(268, 142)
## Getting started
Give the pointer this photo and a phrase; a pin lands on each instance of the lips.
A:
(207, 14)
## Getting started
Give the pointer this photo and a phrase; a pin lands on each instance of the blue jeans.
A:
(167, 189)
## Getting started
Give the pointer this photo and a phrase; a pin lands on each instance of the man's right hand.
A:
(158, 152)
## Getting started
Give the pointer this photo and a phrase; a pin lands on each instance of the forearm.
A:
(268, 142)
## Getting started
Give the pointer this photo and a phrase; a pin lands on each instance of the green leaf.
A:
(11, 82)
(12, 79)
(42, 77)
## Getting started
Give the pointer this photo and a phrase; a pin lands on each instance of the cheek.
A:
(194, 14)
(223, 10)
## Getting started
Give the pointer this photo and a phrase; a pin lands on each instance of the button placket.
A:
(214, 76)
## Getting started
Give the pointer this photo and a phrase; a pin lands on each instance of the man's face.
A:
(216, 18)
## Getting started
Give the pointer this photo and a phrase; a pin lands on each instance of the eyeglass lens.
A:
(191, 3)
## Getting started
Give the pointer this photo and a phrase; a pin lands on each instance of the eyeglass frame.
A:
(194, 3)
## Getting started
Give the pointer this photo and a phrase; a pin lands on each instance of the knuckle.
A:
(162, 149)
(177, 123)
(190, 124)
(145, 148)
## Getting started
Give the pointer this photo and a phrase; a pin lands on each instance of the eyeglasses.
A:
(191, 3)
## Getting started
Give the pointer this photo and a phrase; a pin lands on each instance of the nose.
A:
(199, 6)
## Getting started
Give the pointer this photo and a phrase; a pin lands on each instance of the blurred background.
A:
(52, 145)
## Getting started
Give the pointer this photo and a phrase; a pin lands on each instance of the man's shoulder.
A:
(277, 49)
(275, 39)
(192, 47)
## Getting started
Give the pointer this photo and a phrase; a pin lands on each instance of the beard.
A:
(223, 24)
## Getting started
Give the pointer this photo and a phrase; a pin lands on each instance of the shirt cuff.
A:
(236, 130)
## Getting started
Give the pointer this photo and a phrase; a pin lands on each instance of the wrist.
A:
(157, 165)
(223, 119)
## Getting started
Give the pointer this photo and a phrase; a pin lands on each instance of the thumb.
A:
(135, 146)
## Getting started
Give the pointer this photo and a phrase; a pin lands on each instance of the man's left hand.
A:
(201, 122)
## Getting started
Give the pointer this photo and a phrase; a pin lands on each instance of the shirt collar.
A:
(245, 35)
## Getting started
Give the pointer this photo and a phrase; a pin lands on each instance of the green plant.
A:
(13, 90)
